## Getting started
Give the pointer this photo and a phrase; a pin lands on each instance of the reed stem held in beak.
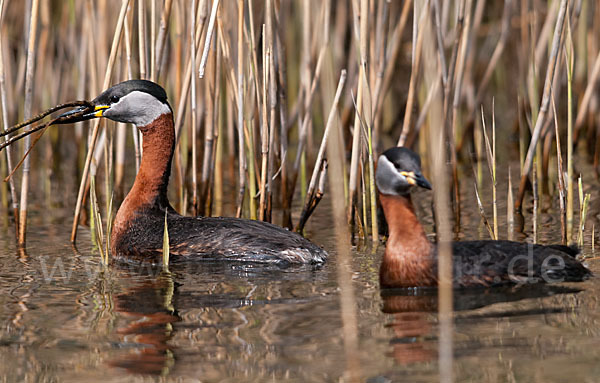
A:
(58, 120)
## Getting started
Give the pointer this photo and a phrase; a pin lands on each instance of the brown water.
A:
(65, 318)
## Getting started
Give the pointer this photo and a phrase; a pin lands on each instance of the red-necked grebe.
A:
(410, 260)
(137, 232)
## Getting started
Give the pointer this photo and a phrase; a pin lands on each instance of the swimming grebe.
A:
(410, 260)
(137, 232)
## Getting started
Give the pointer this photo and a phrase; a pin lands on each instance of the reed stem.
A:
(539, 122)
(29, 72)
(95, 130)
(570, 197)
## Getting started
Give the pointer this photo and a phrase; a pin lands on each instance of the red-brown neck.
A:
(404, 226)
(150, 186)
(149, 190)
(407, 260)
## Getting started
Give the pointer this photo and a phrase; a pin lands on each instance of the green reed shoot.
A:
(490, 151)
(584, 202)
(483, 216)
(593, 237)
(510, 214)
(535, 199)
(166, 248)
(363, 193)
(372, 189)
(96, 222)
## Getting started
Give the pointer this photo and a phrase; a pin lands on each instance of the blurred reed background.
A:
(268, 94)
(252, 84)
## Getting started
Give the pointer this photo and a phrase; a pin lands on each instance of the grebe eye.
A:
(114, 99)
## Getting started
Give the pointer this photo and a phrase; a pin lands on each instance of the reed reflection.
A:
(413, 323)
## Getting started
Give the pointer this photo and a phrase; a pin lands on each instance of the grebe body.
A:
(138, 229)
(410, 259)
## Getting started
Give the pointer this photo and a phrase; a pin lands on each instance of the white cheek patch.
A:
(387, 176)
(139, 108)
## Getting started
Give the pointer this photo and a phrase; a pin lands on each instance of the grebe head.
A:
(135, 101)
(398, 170)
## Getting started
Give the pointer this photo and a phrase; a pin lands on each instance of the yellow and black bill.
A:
(83, 113)
(416, 179)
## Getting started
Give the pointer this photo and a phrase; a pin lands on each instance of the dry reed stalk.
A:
(435, 5)
(95, 130)
(498, 50)
(360, 94)
(4, 104)
(96, 222)
(491, 161)
(108, 187)
(444, 235)
(32, 130)
(456, 84)
(253, 113)
(212, 131)
(283, 123)
(142, 38)
(254, 75)
(437, 140)
(552, 63)
(252, 172)
(266, 54)
(588, 95)
(305, 124)
(344, 257)
(382, 85)
(321, 157)
(546, 140)
(378, 50)
(183, 100)
(162, 36)
(230, 104)
(544, 35)
(240, 110)
(193, 109)
(467, 81)
(272, 107)
(570, 57)
(208, 40)
(224, 115)
(121, 132)
(432, 91)
(460, 21)
(304, 103)
(368, 109)
(31, 52)
(134, 131)
(561, 180)
(152, 40)
(536, 204)
(414, 74)
(92, 87)
(486, 223)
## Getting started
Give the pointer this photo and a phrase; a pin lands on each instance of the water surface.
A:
(64, 317)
